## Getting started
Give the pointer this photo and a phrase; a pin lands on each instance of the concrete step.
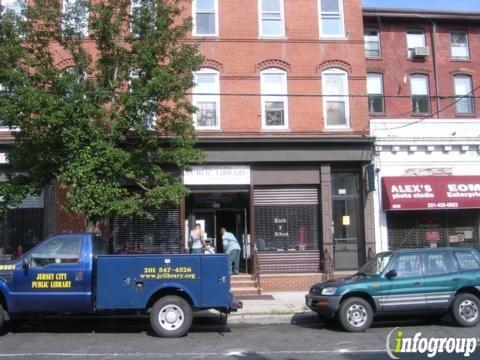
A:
(242, 283)
(244, 291)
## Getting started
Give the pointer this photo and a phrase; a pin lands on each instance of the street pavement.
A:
(211, 337)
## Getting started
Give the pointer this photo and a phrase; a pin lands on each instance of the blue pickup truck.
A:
(70, 273)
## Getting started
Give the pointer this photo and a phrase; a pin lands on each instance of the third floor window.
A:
(415, 38)
(205, 17)
(375, 93)
(331, 18)
(371, 37)
(459, 45)
(271, 18)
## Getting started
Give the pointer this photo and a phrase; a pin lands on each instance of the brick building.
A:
(423, 77)
(283, 122)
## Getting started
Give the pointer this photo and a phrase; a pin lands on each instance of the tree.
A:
(105, 116)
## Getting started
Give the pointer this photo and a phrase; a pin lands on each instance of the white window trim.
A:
(283, 97)
(260, 22)
(406, 39)
(194, 20)
(470, 96)
(342, 19)
(213, 97)
(370, 28)
(468, 45)
(379, 76)
(412, 95)
(326, 98)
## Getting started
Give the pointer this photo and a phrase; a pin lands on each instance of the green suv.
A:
(427, 281)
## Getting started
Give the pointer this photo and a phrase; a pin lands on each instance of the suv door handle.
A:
(456, 279)
(418, 282)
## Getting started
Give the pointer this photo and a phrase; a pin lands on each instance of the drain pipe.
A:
(435, 66)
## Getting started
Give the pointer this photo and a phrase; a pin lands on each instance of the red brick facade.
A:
(439, 65)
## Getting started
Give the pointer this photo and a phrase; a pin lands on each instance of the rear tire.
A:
(355, 314)
(171, 317)
(2, 318)
(465, 310)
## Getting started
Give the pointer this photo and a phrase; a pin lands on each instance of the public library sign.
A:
(217, 175)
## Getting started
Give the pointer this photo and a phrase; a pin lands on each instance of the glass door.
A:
(346, 219)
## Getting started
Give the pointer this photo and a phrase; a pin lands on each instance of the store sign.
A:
(217, 175)
(431, 192)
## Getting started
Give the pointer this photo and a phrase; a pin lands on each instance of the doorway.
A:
(216, 209)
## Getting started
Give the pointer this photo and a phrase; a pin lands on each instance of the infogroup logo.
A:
(397, 344)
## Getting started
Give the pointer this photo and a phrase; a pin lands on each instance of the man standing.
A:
(231, 247)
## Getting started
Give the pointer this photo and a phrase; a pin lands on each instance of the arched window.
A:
(336, 108)
(206, 97)
(273, 87)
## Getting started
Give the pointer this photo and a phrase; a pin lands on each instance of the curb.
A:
(263, 318)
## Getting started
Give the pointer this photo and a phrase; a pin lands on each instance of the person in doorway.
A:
(197, 240)
(231, 247)
(17, 253)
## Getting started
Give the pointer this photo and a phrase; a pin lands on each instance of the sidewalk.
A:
(274, 308)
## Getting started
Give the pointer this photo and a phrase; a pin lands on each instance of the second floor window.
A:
(148, 110)
(375, 93)
(271, 18)
(273, 84)
(463, 91)
(415, 38)
(459, 45)
(336, 110)
(206, 97)
(331, 18)
(75, 16)
(420, 94)
(205, 17)
(371, 37)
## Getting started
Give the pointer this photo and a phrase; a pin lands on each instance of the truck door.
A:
(53, 281)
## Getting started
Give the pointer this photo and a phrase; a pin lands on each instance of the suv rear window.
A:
(467, 261)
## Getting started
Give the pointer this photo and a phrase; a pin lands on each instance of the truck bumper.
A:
(325, 305)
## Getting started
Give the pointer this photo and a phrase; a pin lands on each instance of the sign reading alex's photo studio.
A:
(432, 211)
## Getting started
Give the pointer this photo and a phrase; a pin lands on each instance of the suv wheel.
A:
(466, 310)
(355, 314)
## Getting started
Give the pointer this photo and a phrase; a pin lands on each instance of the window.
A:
(331, 18)
(439, 263)
(407, 265)
(371, 37)
(467, 261)
(463, 92)
(335, 98)
(207, 99)
(273, 83)
(13, 5)
(135, 9)
(420, 94)
(271, 18)
(415, 38)
(205, 17)
(59, 250)
(375, 93)
(75, 16)
(148, 110)
(459, 45)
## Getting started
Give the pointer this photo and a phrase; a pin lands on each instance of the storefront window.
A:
(455, 228)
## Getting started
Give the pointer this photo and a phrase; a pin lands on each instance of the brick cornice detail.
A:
(213, 64)
(334, 64)
(273, 63)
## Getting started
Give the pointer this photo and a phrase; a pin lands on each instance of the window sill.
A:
(461, 59)
(374, 58)
(469, 115)
(333, 38)
(206, 36)
(275, 129)
(340, 128)
(208, 129)
(272, 37)
(421, 114)
(377, 113)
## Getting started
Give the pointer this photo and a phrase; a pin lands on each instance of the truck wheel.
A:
(465, 310)
(355, 314)
(2, 317)
(171, 316)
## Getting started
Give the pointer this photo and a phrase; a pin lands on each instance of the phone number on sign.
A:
(442, 205)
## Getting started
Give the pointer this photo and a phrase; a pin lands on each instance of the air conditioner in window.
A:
(420, 51)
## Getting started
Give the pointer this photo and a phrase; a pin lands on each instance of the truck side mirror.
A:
(391, 274)
(25, 264)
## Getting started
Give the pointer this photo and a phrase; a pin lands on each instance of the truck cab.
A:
(69, 273)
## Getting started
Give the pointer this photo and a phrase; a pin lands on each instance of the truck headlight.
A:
(329, 290)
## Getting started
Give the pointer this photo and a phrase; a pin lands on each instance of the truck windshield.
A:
(376, 265)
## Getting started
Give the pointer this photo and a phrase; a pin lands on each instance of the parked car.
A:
(424, 281)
